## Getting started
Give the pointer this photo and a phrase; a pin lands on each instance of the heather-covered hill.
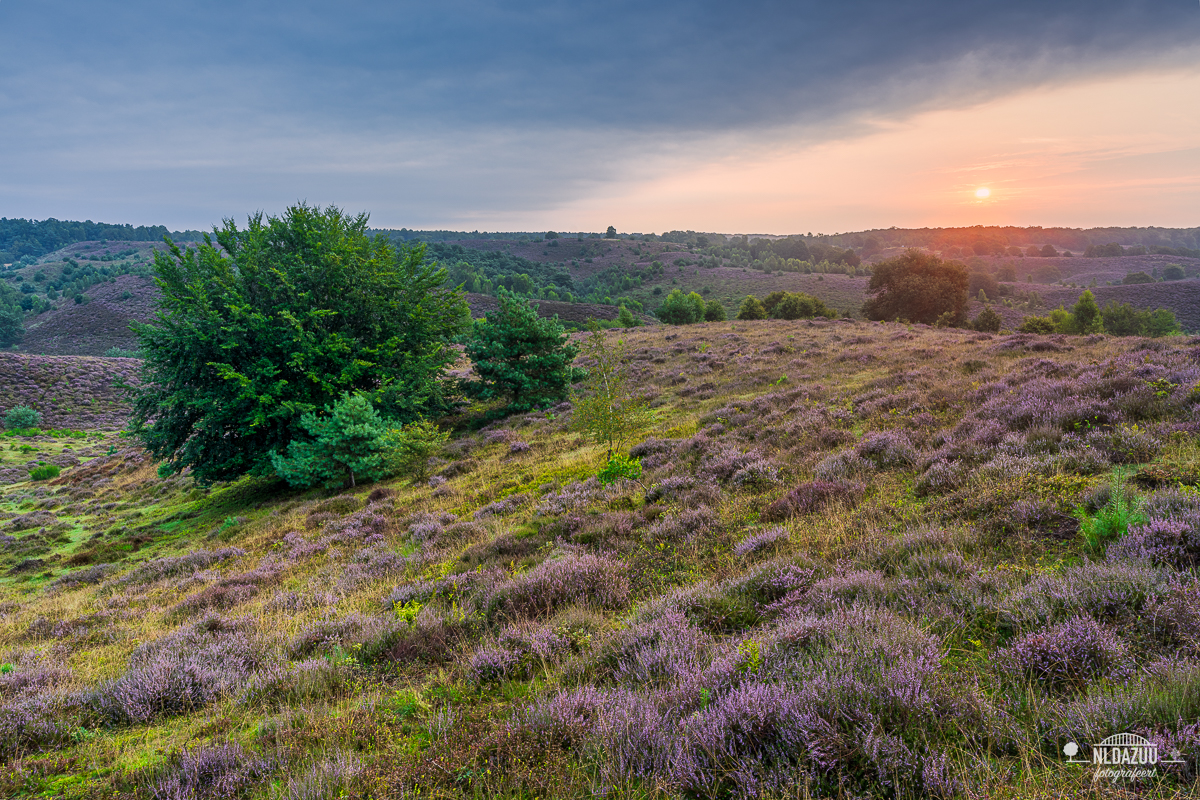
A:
(862, 559)
(69, 391)
(92, 327)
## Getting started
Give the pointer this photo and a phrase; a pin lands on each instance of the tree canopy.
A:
(12, 316)
(259, 326)
(918, 287)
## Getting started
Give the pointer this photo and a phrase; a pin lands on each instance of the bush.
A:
(22, 418)
(520, 357)
(714, 311)
(1037, 325)
(917, 286)
(1137, 277)
(752, 308)
(351, 442)
(1173, 272)
(1065, 656)
(987, 320)
(44, 472)
(681, 309)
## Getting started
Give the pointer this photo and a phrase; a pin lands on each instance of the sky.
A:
(760, 116)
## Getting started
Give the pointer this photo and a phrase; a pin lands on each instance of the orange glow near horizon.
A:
(1117, 152)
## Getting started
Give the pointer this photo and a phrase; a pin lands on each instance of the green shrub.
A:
(520, 356)
(752, 308)
(353, 443)
(681, 309)
(988, 320)
(20, 417)
(44, 472)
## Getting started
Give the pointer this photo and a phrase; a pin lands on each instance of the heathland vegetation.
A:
(349, 542)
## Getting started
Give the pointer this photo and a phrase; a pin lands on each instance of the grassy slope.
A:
(412, 693)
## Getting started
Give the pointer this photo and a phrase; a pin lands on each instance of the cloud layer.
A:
(430, 113)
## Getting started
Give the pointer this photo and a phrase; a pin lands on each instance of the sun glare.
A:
(983, 192)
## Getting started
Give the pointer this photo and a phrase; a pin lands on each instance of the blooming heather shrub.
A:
(228, 592)
(1130, 706)
(32, 724)
(762, 540)
(1082, 460)
(492, 664)
(756, 476)
(1172, 504)
(518, 447)
(887, 450)
(1175, 616)
(812, 496)
(372, 563)
(684, 526)
(89, 576)
(178, 566)
(178, 673)
(32, 676)
(725, 462)
(562, 580)
(942, 477)
(1110, 590)
(776, 582)
(666, 646)
(846, 464)
(669, 488)
(1065, 656)
(753, 741)
(1158, 541)
(503, 507)
(572, 497)
(224, 770)
(1127, 444)
(328, 778)
(867, 587)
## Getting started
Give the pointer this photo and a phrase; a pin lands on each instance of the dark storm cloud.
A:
(88, 86)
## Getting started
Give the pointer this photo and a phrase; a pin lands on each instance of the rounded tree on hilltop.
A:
(271, 323)
(918, 287)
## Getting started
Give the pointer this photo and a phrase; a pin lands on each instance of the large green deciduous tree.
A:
(259, 326)
(520, 356)
(918, 287)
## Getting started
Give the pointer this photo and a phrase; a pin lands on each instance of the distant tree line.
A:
(33, 238)
(489, 271)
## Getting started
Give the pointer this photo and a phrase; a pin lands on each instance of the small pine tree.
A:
(520, 356)
(752, 308)
(626, 319)
(22, 417)
(352, 443)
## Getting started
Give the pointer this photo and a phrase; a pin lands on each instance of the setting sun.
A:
(983, 192)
